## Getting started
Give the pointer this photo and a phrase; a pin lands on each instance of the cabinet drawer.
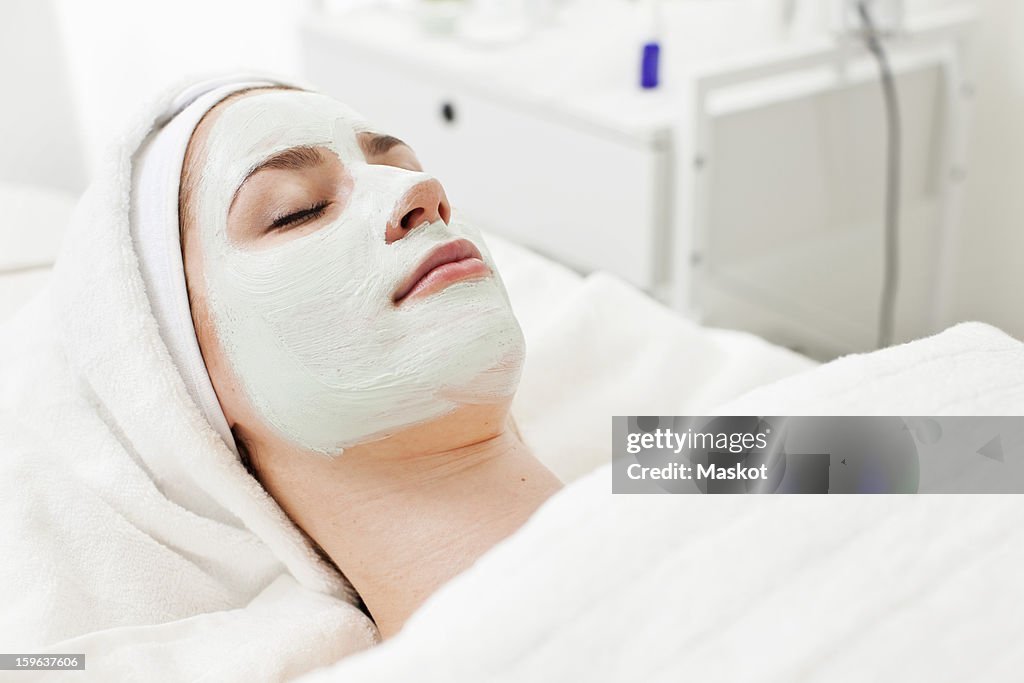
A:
(583, 196)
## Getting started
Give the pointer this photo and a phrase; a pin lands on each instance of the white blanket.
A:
(971, 369)
(603, 587)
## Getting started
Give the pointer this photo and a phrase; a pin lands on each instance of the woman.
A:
(359, 340)
(337, 318)
(371, 402)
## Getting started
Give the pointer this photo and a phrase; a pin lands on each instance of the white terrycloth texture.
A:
(121, 508)
(971, 369)
(156, 237)
(282, 633)
(599, 587)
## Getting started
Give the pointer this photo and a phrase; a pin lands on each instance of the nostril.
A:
(423, 204)
(413, 218)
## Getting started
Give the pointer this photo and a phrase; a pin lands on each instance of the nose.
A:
(424, 203)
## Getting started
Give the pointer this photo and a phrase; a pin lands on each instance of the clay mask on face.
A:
(309, 326)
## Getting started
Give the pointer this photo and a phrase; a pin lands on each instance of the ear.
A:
(247, 454)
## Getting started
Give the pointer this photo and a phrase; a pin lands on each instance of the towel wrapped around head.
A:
(132, 508)
(156, 180)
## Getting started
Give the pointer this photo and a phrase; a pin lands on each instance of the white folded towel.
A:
(970, 369)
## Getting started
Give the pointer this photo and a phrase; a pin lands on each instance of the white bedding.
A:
(596, 347)
(723, 588)
(32, 223)
(615, 369)
(603, 587)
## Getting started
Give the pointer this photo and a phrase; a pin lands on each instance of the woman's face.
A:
(337, 298)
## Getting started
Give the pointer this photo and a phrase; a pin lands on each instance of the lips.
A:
(451, 262)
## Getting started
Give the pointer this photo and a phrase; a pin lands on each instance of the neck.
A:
(399, 525)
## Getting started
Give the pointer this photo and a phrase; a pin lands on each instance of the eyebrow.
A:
(380, 144)
(291, 159)
(300, 158)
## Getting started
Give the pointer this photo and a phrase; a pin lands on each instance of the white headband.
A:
(156, 177)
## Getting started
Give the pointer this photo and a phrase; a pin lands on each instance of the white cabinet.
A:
(590, 197)
(746, 193)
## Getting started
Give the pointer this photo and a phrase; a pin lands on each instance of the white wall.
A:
(121, 51)
(124, 51)
(990, 280)
(38, 126)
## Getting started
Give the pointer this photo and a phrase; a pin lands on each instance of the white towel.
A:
(121, 506)
(156, 238)
(970, 369)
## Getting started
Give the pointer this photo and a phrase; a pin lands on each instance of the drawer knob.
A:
(448, 112)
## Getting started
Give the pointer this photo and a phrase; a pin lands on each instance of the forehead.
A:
(249, 129)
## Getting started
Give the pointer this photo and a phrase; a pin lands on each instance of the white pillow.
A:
(32, 224)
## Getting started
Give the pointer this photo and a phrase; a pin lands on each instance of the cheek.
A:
(342, 188)
(226, 385)
(218, 368)
(206, 336)
(272, 194)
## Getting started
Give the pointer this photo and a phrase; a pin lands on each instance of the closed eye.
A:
(300, 217)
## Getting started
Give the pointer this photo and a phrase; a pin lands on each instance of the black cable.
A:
(890, 279)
